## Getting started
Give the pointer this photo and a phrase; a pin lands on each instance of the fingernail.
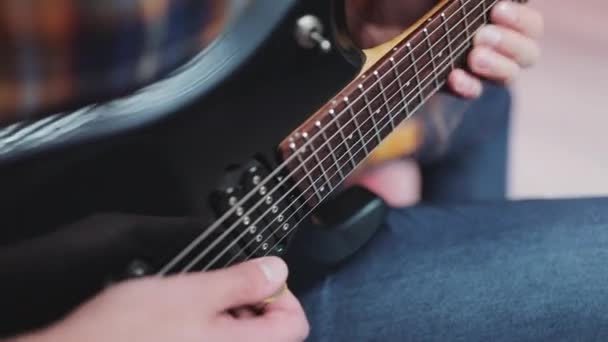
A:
(467, 86)
(489, 35)
(483, 61)
(474, 88)
(274, 269)
(507, 11)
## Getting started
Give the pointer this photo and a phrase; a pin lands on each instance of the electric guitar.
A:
(253, 138)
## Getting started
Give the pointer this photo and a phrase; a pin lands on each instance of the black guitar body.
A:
(79, 211)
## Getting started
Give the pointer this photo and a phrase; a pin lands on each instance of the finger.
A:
(524, 50)
(397, 182)
(487, 63)
(519, 18)
(464, 84)
(242, 285)
(281, 320)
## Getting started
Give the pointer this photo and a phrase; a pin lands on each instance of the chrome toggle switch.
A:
(309, 33)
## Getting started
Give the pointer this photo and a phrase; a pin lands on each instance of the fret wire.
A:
(449, 39)
(486, 17)
(307, 172)
(409, 46)
(401, 89)
(428, 40)
(352, 114)
(316, 156)
(466, 20)
(331, 152)
(185, 252)
(352, 159)
(371, 113)
(384, 95)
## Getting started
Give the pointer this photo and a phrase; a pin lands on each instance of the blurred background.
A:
(559, 139)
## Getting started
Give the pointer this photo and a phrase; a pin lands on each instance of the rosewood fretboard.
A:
(329, 146)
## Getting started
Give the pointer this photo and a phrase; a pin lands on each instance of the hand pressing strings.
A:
(500, 50)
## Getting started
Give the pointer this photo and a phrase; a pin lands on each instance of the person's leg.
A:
(534, 270)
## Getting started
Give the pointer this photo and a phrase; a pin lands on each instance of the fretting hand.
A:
(500, 50)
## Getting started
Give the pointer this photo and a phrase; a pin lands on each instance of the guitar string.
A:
(332, 176)
(271, 176)
(262, 216)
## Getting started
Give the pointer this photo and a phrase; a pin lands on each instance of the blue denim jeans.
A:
(500, 271)
(467, 265)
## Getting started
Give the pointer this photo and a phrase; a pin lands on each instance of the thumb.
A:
(248, 283)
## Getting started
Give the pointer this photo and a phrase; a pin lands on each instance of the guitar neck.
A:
(329, 146)
(322, 152)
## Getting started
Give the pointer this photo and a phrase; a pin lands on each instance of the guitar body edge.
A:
(167, 169)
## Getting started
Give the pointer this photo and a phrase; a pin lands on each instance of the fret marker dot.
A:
(257, 179)
(232, 201)
(305, 135)
(345, 98)
(292, 146)
(318, 124)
